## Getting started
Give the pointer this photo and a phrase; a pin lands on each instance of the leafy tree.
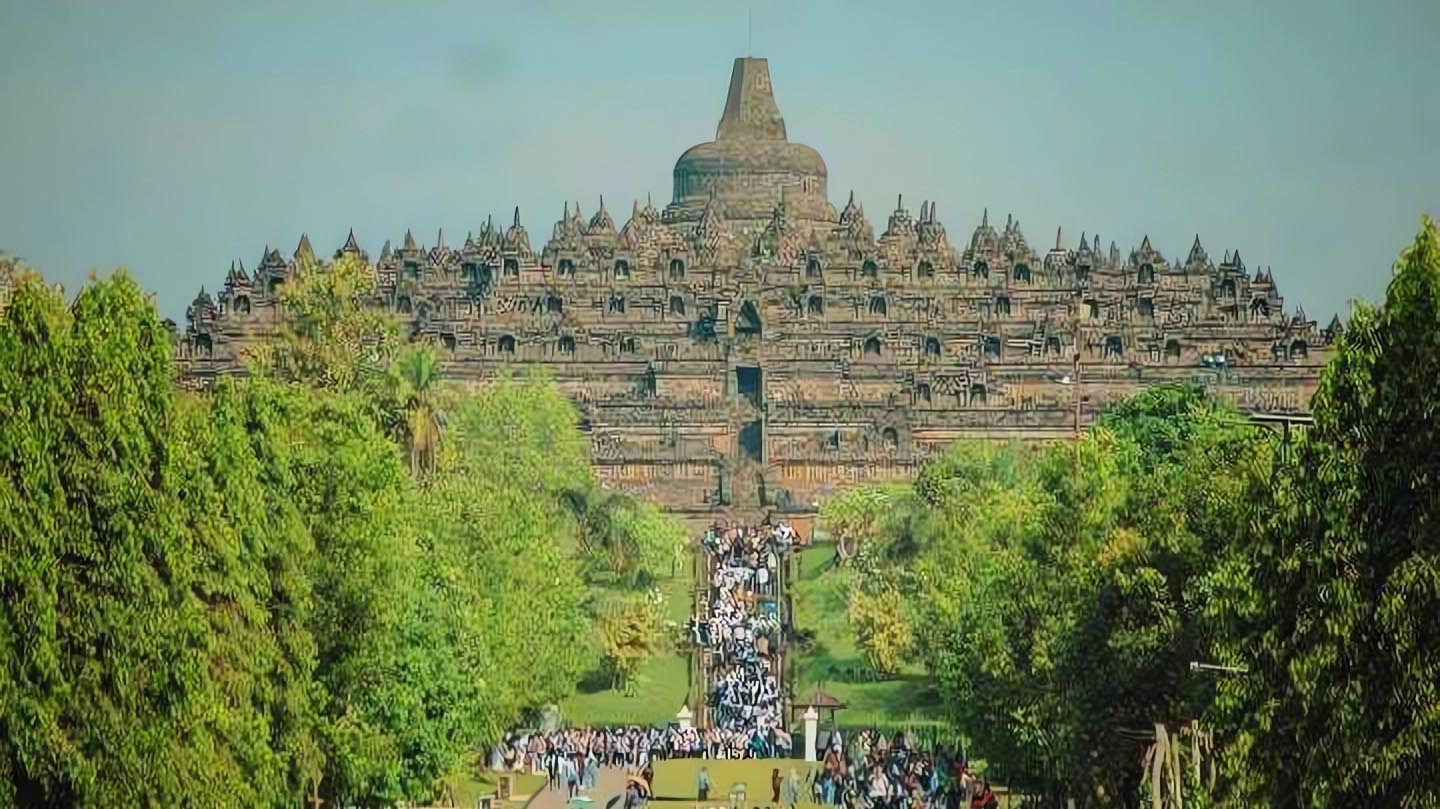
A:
(336, 338)
(854, 516)
(523, 635)
(1333, 603)
(1059, 592)
(624, 539)
(630, 628)
(348, 482)
(152, 640)
(881, 628)
(252, 545)
(420, 375)
(524, 425)
(245, 595)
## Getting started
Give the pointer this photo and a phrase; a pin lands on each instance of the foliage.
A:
(349, 483)
(420, 378)
(1332, 603)
(881, 628)
(334, 338)
(623, 539)
(152, 640)
(1056, 593)
(520, 593)
(631, 631)
(854, 516)
(245, 596)
(524, 426)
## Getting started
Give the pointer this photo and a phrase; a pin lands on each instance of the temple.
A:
(751, 346)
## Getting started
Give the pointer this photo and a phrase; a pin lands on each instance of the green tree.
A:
(524, 425)
(881, 628)
(624, 539)
(355, 495)
(1060, 604)
(1333, 602)
(630, 628)
(152, 640)
(855, 516)
(336, 338)
(252, 545)
(420, 375)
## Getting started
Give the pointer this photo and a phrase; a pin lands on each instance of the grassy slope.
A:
(819, 598)
(661, 686)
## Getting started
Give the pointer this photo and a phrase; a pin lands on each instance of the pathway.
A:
(610, 784)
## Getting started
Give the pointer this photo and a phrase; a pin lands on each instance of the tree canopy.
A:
(1332, 603)
(1054, 593)
(336, 577)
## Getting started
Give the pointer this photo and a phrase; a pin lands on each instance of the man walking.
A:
(790, 790)
(702, 785)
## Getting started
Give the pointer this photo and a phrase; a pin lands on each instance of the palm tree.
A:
(420, 376)
(604, 539)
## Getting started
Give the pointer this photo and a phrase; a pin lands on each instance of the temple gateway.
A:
(751, 346)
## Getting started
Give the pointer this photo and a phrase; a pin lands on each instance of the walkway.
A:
(610, 784)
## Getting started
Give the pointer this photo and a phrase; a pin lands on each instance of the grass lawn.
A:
(472, 784)
(661, 686)
(818, 593)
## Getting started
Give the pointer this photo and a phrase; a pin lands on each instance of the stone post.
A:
(685, 717)
(812, 730)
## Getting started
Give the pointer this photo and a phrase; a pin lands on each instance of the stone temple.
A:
(751, 346)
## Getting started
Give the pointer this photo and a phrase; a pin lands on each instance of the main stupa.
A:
(751, 166)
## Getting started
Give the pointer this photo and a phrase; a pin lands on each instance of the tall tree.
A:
(336, 338)
(1333, 604)
(151, 651)
(252, 546)
(622, 538)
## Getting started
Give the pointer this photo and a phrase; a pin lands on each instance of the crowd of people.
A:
(632, 748)
(578, 753)
(873, 772)
(742, 630)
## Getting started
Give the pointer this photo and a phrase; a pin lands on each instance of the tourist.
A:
(634, 798)
(592, 770)
(984, 799)
(790, 790)
(702, 784)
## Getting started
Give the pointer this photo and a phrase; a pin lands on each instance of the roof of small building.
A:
(820, 699)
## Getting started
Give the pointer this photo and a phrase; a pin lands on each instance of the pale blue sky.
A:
(174, 137)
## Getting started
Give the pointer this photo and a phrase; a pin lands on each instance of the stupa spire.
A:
(750, 109)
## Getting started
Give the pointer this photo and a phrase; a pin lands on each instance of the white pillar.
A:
(812, 729)
(685, 717)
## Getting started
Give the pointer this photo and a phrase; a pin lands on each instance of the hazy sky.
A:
(172, 138)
